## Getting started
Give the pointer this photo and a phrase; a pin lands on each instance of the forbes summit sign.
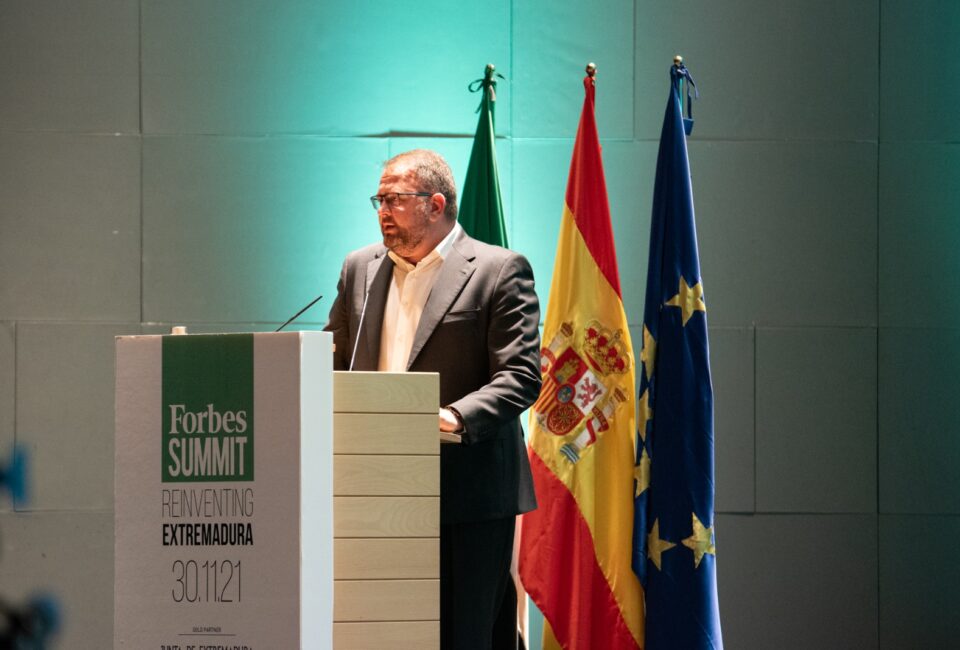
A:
(207, 409)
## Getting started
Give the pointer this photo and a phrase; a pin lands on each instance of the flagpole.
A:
(677, 62)
(592, 72)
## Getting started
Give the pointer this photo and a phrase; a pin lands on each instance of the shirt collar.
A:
(440, 252)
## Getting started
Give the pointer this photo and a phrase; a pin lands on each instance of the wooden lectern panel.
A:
(386, 600)
(382, 392)
(406, 635)
(386, 558)
(386, 511)
(379, 433)
(386, 475)
(386, 516)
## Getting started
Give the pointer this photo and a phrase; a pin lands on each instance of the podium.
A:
(264, 501)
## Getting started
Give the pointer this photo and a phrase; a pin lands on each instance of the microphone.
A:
(295, 316)
(363, 312)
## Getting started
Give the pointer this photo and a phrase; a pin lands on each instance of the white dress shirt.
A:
(409, 289)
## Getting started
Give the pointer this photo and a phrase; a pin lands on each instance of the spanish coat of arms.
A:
(579, 396)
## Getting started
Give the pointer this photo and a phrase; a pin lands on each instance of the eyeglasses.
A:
(391, 198)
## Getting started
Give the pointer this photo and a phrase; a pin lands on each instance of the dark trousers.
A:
(505, 633)
(474, 571)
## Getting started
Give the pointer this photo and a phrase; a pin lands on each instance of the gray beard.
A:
(402, 244)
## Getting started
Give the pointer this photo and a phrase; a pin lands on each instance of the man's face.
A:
(404, 224)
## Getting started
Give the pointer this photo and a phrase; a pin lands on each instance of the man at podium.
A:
(430, 298)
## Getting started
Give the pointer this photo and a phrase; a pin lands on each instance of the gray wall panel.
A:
(251, 229)
(816, 420)
(787, 231)
(732, 367)
(916, 91)
(540, 169)
(70, 66)
(70, 228)
(919, 432)
(778, 70)
(456, 151)
(65, 412)
(251, 67)
(549, 67)
(919, 233)
(629, 168)
(918, 581)
(68, 555)
(798, 581)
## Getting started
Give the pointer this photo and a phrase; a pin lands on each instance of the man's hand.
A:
(449, 422)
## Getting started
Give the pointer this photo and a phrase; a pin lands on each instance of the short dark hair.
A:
(433, 175)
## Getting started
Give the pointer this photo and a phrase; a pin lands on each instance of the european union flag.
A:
(674, 552)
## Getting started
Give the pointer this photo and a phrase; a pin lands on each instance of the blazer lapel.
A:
(454, 273)
(377, 283)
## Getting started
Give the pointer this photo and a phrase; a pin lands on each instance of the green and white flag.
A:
(481, 208)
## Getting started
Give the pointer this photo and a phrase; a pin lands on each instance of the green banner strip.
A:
(207, 408)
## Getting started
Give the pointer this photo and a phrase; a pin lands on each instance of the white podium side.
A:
(233, 487)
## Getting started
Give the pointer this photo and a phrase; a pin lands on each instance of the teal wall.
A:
(207, 163)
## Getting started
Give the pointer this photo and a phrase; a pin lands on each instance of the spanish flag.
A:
(575, 549)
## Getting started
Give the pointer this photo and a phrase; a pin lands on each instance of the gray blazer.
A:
(479, 331)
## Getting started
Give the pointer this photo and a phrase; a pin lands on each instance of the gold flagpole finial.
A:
(591, 70)
(678, 63)
(489, 70)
